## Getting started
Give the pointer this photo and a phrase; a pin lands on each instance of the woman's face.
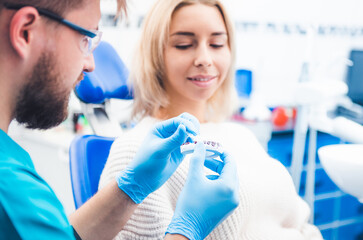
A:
(197, 55)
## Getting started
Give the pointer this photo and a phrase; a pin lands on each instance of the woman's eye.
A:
(183, 47)
(217, 45)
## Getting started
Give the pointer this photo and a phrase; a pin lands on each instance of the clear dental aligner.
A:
(213, 149)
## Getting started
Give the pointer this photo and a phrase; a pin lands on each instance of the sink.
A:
(344, 165)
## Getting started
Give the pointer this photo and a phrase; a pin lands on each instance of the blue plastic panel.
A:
(88, 155)
(108, 80)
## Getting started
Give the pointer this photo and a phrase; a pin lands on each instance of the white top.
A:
(269, 209)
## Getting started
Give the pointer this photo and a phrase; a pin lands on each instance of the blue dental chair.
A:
(88, 153)
(107, 81)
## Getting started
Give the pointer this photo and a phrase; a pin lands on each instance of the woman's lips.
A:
(202, 80)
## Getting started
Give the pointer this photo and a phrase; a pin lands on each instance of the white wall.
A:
(272, 39)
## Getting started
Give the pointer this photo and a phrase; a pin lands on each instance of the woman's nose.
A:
(203, 57)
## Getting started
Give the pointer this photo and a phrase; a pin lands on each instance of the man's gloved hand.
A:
(205, 201)
(158, 157)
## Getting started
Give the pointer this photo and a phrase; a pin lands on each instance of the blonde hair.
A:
(121, 8)
(147, 73)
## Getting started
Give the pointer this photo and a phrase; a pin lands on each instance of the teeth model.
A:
(213, 149)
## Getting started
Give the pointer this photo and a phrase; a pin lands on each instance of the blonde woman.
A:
(185, 63)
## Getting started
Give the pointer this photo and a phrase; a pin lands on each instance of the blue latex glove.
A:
(205, 201)
(158, 157)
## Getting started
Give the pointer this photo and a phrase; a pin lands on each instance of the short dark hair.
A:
(59, 7)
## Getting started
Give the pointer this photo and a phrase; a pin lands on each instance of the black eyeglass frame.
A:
(53, 16)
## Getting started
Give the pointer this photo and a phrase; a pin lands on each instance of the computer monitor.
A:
(355, 77)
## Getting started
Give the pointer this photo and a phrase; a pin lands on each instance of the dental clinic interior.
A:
(299, 79)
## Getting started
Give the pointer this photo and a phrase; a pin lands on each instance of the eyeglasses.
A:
(88, 43)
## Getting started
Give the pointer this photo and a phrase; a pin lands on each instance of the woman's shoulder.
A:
(235, 138)
(230, 128)
(137, 133)
(235, 126)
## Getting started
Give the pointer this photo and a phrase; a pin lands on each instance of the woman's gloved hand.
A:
(158, 157)
(205, 201)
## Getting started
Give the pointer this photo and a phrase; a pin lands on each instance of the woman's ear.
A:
(22, 30)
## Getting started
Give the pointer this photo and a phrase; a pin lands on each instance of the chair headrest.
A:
(108, 80)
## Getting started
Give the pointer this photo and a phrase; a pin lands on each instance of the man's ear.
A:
(22, 29)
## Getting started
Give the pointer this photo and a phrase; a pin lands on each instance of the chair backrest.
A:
(107, 81)
(243, 82)
(88, 155)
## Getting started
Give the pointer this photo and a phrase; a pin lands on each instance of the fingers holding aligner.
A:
(229, 171)
(191, 119)
(229, 176)
(179, 136)
(191, 124)
(214, 165)
(197, 160)
(170, 126)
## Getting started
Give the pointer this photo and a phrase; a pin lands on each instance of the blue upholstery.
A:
(243, 82)
(88, 155)
(108, 80)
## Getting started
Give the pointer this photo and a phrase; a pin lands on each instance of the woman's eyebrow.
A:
(183, 34)
(218, 33)
(192, 34)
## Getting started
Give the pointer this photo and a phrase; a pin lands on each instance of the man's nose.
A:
(89, 65)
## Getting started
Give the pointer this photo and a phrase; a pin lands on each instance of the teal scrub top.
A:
(29, 209)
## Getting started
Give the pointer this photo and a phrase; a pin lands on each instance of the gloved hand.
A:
(158, 157)
(205, 201)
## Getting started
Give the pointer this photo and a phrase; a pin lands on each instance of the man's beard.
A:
(43, 101)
